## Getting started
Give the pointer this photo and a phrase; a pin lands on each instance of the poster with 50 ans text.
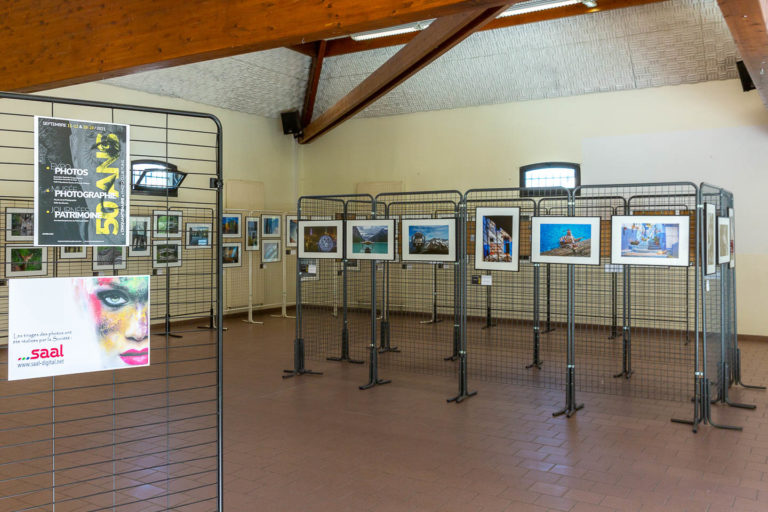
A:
(90, 324)
(82, 182)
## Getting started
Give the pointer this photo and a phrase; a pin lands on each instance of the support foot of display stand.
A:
(169, 334)
(281, 316)
(299, 373)
(568, 411)
(548, 330)
(376, 382)
(432, 321)
(388, 349)
(535, 364)
(623, 373)
(341, 359)
(248, 321)
(739, 405)
(454, 357)
(702, 409)
(460, 398)
(488, 326)
(737, 380)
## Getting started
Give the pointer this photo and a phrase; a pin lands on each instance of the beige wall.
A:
(716, 125)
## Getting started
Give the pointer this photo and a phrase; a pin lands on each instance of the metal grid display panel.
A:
(142, 439)
(502, 318)
(714, 286)
(421, 297)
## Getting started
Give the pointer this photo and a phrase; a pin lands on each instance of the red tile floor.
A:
(317, 443)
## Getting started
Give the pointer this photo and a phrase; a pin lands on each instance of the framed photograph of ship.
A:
(723, 240)
(497, 238)
(370, 240)
(650, 240)
(270, 226)
(166, 253)
(270, 251)
(429, 240)
(230, 254)
(230, 225)
(710, 239)
(570, 240)
(321, 238)
(291, 231)
(252, 236)
(198, 235)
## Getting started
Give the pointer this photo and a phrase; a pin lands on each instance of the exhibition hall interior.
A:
(384, 256)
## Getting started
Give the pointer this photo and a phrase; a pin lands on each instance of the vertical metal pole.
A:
(219, 319)
(549, 299)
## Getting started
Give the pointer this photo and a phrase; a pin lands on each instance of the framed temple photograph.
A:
(23, 261)
(139, 236)
(650, 240)
(270, 251)
(199, 235)
(723, 240)
(370, 240)
(167, 224)
(710, 239)
(568, 240)
(428, 239)
(231, 253)
(109, 257)
(166, 253)
(270, 225)
(321, 238)
(497, 238)
(252, 235)
(19, 225)
(230, 225)
(291, 231)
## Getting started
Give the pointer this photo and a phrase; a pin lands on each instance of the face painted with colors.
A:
(119, 309)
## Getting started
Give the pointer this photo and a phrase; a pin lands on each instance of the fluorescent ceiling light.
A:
(541, 5)
(392, 31)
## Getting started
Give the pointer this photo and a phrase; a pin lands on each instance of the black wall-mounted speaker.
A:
(291, 122)
(746, 81)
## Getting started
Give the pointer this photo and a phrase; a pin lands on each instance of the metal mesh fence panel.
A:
(140, 439)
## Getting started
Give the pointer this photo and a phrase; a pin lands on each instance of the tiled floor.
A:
(317, 443)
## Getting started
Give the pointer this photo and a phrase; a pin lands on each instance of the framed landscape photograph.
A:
(650, 240)
(270, 226)
(497, 238)
(723, 240)
(370, 240)
(230, 225)
(140, 228)
(21, 261)
(71, 252)
(291, 231)
(198, 235)
(569, 240)
(230, 254)
(732, 217)
(321, 238)
(166, 253)
(252, 236)
(710, 239)
(19, 225)
(167, 224)
(109, 257)
(270, 252)
(428, 240)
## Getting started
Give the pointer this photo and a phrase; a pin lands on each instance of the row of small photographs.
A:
(660, 240)
(232, 253)
(270, 228)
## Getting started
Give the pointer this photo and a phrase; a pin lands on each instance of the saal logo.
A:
(44, 353)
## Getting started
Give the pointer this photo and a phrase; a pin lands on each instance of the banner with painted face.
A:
(82, 182)
(67, 325)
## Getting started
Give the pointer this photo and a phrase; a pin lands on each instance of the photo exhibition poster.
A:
(81, 182)
(90, 324)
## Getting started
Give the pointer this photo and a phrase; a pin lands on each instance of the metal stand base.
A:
(281, 316)
(548, 329)
(347, 359)
(570, 395)
(568, 410)
(299, 373)
(623, 373)
(702, 410)
(298, 361)
(461, 397)
(388, 349)
(254, 322)
(488, 326)
(737, 373)
(432, 320)
(535, 364)
(376, 382)
(723, 393)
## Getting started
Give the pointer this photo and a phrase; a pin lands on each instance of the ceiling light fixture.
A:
(392, 31)
(542, 5)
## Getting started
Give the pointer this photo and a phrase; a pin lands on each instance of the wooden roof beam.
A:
(442, 35)
(748, 22)
(312, 83)
(48, 44)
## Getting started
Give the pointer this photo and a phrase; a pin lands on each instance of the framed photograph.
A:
(570, 240)
(167, 224)
(109, 257)
(19, 225)
(230, 225)
(24, 260)
(270, 253)
(252, 236)
(231, 254)
(650, 240)
(429, 240)
(497, 238)
(723, 240)
(199, 235)
(309, 269)
(710, 239)
(166, 253)
(370, 240)
(140, 228)
(270, 226)
(321, 238)
(732, 217)
(291, 231)
(71, 252)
